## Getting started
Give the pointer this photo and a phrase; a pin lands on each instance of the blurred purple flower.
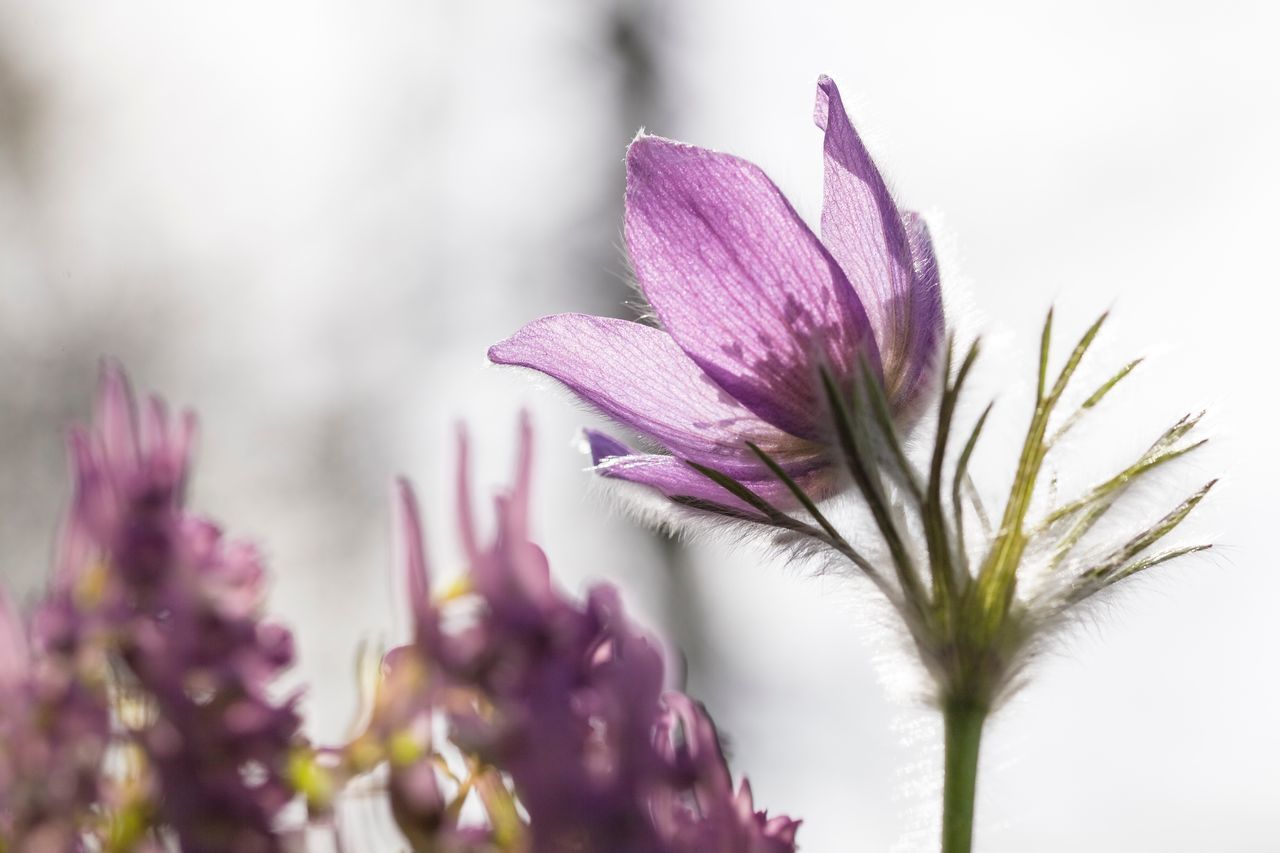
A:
(54, 732)
(565, 699)
(710, 816)
(752, 305)
(181, 605)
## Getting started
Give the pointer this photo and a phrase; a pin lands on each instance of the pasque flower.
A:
(752, 304)
(783, 359)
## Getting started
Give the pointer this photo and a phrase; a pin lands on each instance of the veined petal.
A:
(739, 281)
(927, 318)
(673, 476)
(637, 375)
(889, 262)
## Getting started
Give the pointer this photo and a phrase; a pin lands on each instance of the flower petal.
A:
(416, 568)
(637, 375)
(673, 476)
(863, 229)
(927, 317)
(739, 281)
(603, 446)
(14, 652)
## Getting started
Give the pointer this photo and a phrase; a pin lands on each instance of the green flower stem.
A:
(963, 722)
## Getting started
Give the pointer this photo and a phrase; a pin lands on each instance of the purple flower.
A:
(752, 305)
(566, 694)
(708, 815)
(179, 607)
(54, 731)
(563, 698)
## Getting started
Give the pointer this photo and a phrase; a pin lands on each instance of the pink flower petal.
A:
(927, 316)
(739, 281)
(638, 376)
(674, 477)
(889, 263)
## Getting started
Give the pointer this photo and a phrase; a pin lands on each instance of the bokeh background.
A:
(308, 220)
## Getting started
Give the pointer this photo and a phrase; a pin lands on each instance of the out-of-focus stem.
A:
(963, 723)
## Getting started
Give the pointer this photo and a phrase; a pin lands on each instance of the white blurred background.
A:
(309, 220)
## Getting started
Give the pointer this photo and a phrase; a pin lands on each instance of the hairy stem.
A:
(963, 724)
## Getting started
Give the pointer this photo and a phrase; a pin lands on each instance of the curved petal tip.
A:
(603, 447)
(827, 90)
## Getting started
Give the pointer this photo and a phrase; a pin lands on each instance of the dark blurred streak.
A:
(636, 38)
(629, 51)
(636, 33)
(19, 118)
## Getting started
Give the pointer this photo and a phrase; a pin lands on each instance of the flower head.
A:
(178, 608)
(562, 698)
(136, 701)
(752, 306)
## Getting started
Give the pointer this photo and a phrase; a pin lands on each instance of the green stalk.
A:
(963, 723)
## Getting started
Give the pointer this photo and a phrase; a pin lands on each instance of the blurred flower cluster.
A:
(548, 703)
(138, 709)
(138, 696)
